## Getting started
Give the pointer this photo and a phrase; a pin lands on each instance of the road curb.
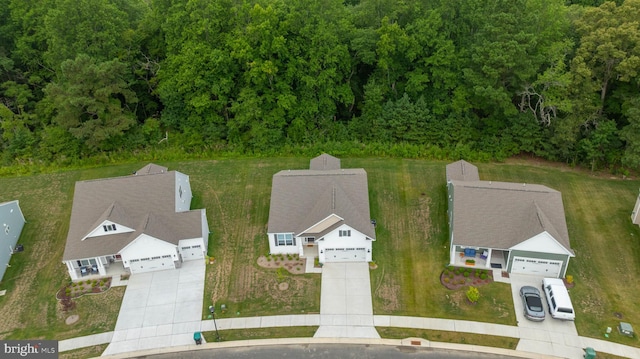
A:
(408, 342)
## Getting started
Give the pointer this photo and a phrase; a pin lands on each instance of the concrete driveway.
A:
(549, 337)
(346, 310)
(160, 309)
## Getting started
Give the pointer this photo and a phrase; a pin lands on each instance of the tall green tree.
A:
(92, 101)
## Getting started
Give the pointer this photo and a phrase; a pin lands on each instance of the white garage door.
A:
(345, 255)
(191, 252)
(149, 264)
(536, 266)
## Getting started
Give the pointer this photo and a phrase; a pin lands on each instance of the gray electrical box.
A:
(625, 329)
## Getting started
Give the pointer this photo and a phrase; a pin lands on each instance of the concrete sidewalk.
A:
(538, 349)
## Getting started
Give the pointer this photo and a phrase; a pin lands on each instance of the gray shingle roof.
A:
(324, 162)
(302, 198)
(462, 171)
(144, 202)
(502, 214)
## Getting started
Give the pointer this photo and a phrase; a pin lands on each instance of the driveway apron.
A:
(346, 310)
(549, 337)
(160, 309)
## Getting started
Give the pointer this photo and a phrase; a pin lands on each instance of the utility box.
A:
(589, 353)
(625, 329)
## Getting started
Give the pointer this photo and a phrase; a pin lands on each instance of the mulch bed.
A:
(455, 278)
(78, 289)
(292, 263)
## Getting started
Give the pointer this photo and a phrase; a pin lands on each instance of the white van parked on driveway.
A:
(560, 306)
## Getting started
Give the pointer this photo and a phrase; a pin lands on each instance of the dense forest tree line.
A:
(554, 78)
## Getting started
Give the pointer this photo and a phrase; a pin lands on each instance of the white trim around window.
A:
(284, 239)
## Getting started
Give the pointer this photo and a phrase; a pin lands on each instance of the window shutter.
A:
(294, 240)
(275, 239)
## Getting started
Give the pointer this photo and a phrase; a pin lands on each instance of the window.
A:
(180, 191)
(86, 262)
(196, 246)
(158, 257)
(109, 227)
(345, 233)
(284, 239)
(166, 256)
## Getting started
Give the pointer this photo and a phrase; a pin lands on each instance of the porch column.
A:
(72, 271)
(488, 261)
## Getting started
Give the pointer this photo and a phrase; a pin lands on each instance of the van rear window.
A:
(565, 310)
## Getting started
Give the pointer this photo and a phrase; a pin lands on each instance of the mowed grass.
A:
(449, 337)
(408, 202)
(260, 333)
(29, 309)
(607, 245)
(236, 195)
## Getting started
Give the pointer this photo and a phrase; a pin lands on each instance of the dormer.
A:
(108, 228)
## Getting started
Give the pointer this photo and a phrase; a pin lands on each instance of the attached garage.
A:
(149, 264)
(537, 266)
(345, 255)
(192, 252)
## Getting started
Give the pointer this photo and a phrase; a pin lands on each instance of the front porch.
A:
(465, 260)
(310, 253)
(481, 258)
(96, 268)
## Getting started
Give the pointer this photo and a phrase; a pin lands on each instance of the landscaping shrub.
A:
(466, 274)
(483, 276)
(473, 294)
(569, 279)
(446, 279)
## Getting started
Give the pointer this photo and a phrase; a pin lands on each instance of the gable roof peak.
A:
(324, 162)
(462, 171)
(151, 169)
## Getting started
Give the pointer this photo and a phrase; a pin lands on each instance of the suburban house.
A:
(513, 227)
(12, 221)
(321, 212)
(140, 222)
(635, 215)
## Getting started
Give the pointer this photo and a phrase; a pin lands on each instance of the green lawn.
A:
(449, 337)
(607, 245)
(260, 333)
(408, 202)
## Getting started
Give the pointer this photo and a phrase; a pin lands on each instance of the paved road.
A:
(327, 351)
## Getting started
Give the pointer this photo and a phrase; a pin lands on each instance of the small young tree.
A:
(473, 294)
